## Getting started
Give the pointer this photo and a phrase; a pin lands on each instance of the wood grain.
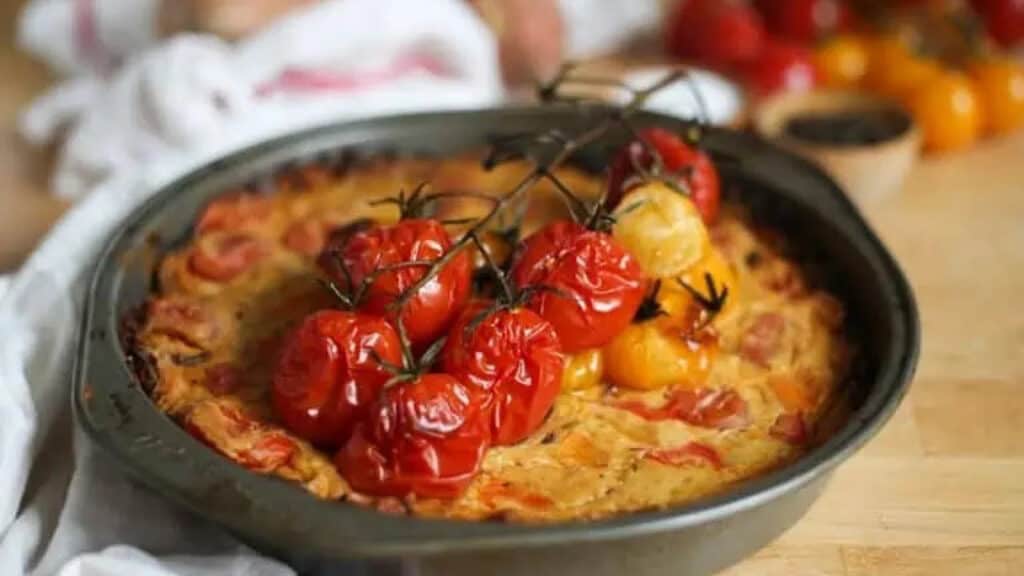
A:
(941, 489)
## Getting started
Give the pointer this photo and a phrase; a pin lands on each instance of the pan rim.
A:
(394, 536)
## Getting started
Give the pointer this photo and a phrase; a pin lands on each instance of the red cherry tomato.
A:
(804, 21)
(595, 285)
(329, 373)
(714, 32)
(514, 354)
(429, 313)
(222, 257)
(426, 437)
(1004, 20)
(691, 166)
(781, 66)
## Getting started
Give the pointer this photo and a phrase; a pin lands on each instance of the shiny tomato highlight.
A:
(514, 355)
(429, 313)
(328, 373)
(425, 437)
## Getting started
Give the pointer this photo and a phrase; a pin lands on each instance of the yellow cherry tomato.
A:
(661, 228)
(948, 112)
(893, 71)
(842, 62)
(680, 308)
(653, 354)
(1000, 87)
(583, 371)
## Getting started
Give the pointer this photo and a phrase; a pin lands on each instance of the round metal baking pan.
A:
(780, 189)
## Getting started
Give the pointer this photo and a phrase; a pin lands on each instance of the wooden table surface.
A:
(941, 489)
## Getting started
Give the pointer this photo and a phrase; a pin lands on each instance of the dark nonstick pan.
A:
(781, 190)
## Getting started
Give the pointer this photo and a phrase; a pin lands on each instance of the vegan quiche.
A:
(658, 349)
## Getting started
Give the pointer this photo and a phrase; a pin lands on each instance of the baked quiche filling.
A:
(632, 345)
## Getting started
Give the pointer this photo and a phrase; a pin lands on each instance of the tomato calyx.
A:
(650, 308)
(712, 303)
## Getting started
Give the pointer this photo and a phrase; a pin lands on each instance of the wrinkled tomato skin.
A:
(594, 286)
(515, 357)
(328, 373)
(692, 166)
(426, 437)
(428, 314)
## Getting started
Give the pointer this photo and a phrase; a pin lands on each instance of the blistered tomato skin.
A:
(691, 166)
(432, 309)
(513, 355)
(328, 373)
(425, 437)
(593, 285)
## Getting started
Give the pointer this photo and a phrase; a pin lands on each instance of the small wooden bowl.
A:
(867, 172)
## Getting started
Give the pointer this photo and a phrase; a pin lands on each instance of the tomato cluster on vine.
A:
(415, 376)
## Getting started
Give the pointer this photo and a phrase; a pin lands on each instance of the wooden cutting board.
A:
(941, 489)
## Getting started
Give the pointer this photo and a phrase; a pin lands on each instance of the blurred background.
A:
(950, 67)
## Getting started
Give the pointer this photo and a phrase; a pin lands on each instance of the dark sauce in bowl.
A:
(849, 127)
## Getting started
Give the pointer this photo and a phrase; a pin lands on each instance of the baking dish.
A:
(780, 189)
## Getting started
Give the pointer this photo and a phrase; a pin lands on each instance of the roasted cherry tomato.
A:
(1000, 86)
(223, 256)
(842, 61)
(593, 285)
(653, 354)
(690, 166)
(781, 66)
(804, 21)
(662, 229)
(718, 33)
(429, 312)
(514, 355)
(329, 371)
(425, 437)
(948, 111)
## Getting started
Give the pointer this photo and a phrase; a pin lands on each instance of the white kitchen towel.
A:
(203, 93)
(200, 94)
(64, 507)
